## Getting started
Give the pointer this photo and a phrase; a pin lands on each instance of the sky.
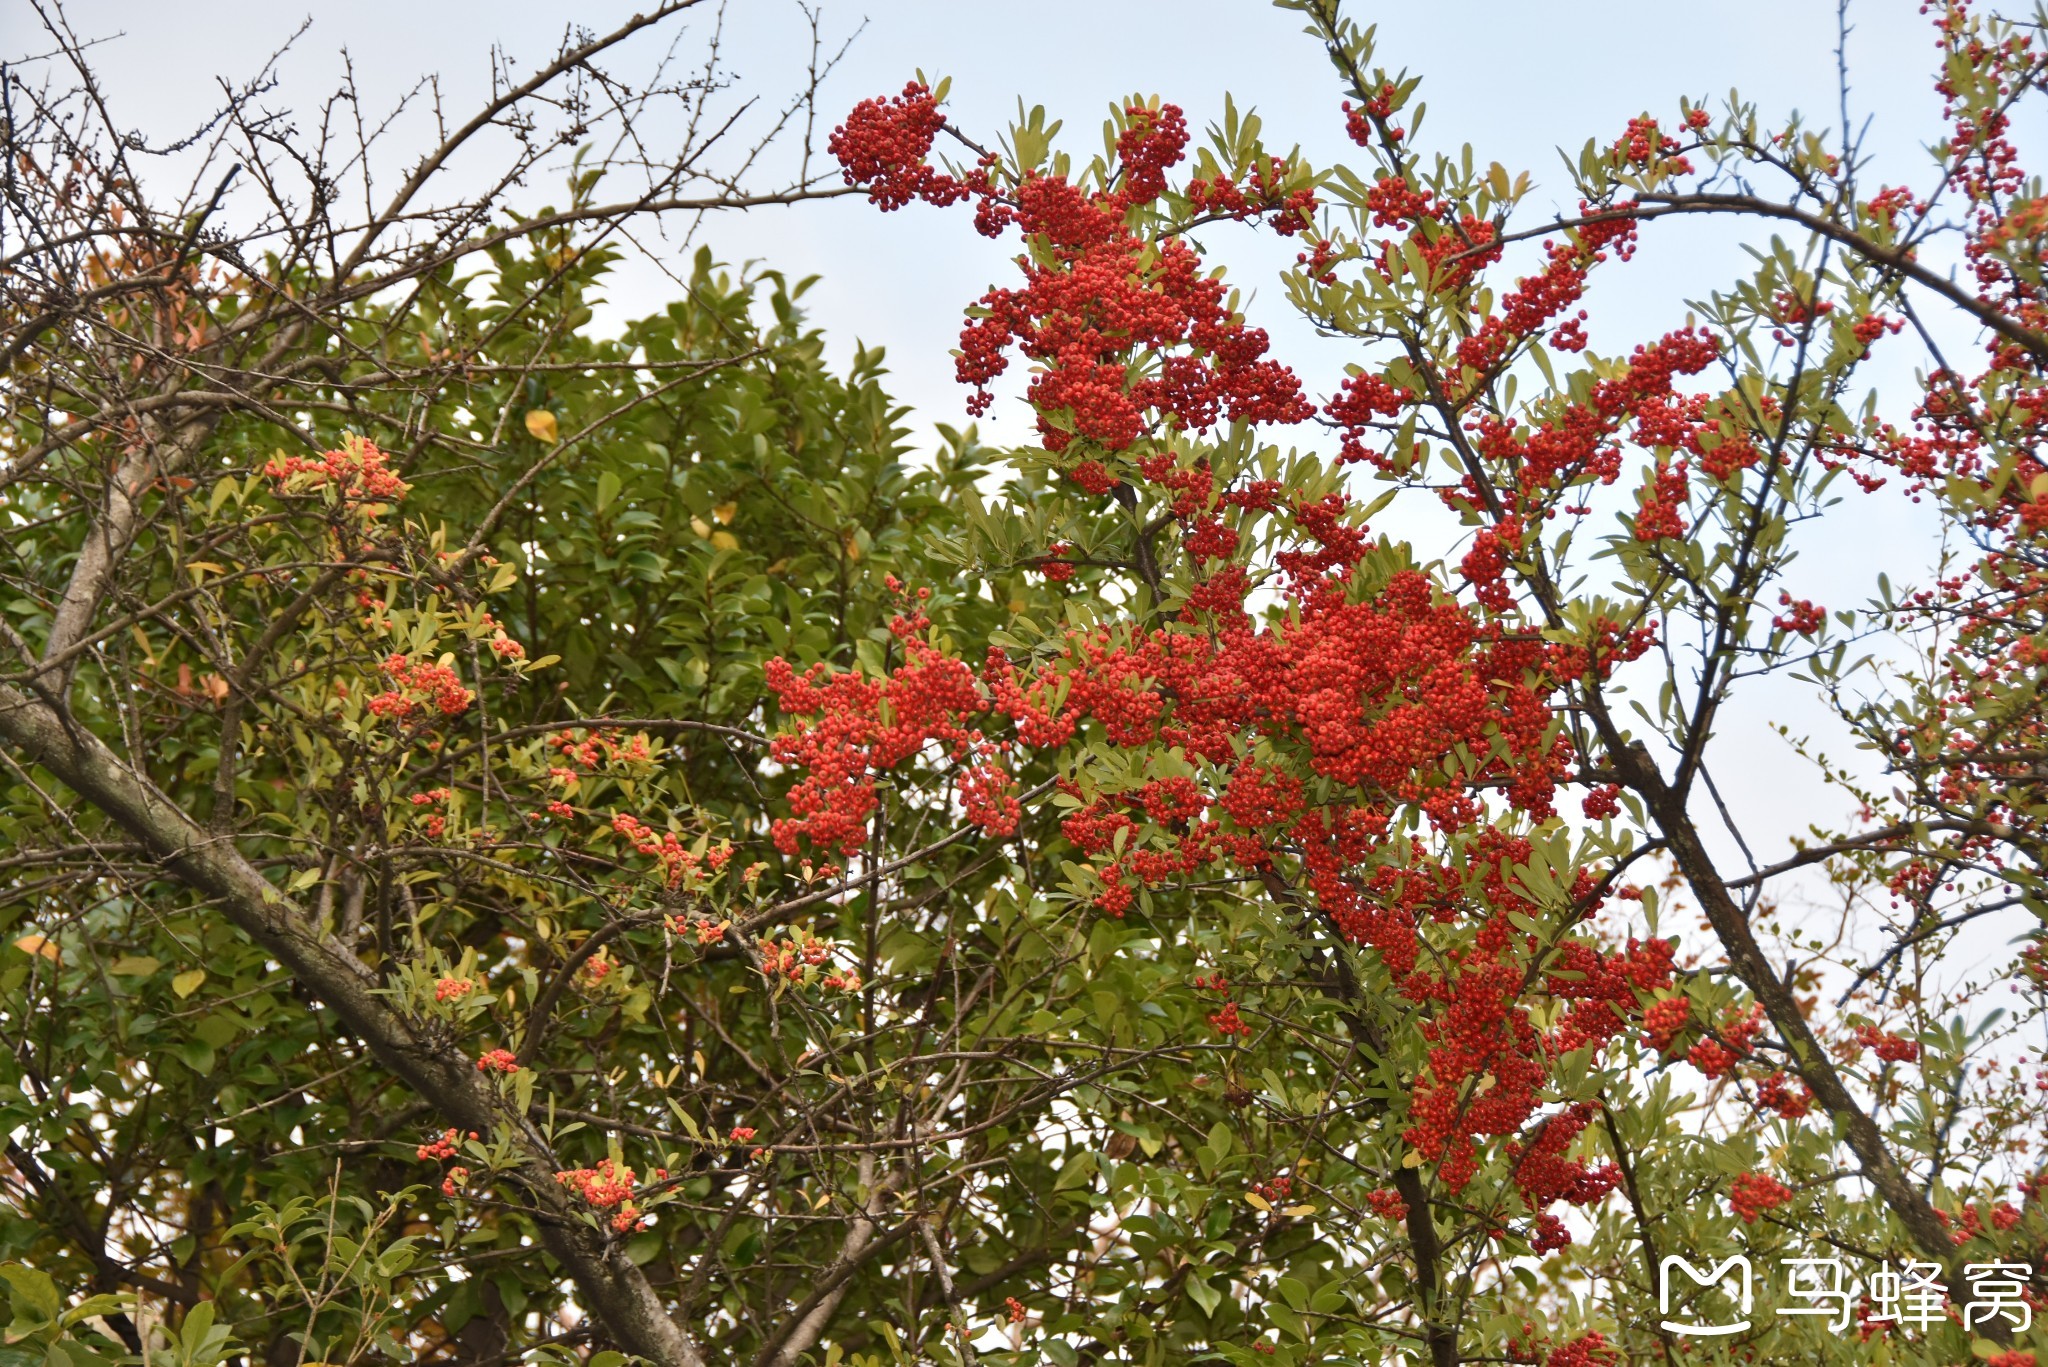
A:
(1516, 80)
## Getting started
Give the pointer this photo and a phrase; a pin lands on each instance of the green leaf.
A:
(90, 1306)
(37, 1306)
(198, 1324)
(1078, 1169)
(195, 1054)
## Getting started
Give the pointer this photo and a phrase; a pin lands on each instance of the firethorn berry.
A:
(883, 145)
(1717, 1057)
(437, 1149)
(1776, 1093)
(1888, 1047)
(1373, 693)
(606, 1186)
(1336, 720)
(1660, 517)
(1151, 143)
(1645, 143)
(1602, 802)
(842, 741)
(1054, 566)
(678, 862)
(1802, 617)
(1752, 1193)
(1387, 1204)
(1962, 1229)
(498, 1061)
(456, 1177)
(1663, 1019)
(453, 989)
(1097, 293)
(419, 685)
(358, 471)
(1358, 123)
(706, 931)
(1226, 1022)
(1017, 1311)
(1587, 1350)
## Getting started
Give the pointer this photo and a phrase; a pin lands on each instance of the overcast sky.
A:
(1517, 79)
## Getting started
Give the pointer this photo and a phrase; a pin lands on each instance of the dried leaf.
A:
(38, 944)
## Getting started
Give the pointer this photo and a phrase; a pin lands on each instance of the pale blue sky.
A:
(1515, 79)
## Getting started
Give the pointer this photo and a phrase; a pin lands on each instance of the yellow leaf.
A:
(700, 526)
(1256, 1201)
(541, 426)
(186, 983)
(38, 944)
(852, 547)
(725, 541)
(1298, 1212)
(1413, 1159)
(726, 512)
